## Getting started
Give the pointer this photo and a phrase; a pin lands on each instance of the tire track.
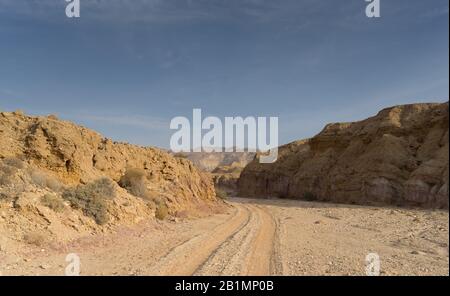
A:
(262, 260)
(248, 252)
(229, 257)
(187, 257)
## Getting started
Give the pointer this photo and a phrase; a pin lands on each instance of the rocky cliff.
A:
(400, 156)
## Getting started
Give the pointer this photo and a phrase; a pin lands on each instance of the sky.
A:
(126, 68)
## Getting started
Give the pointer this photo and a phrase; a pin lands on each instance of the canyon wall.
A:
(399, 157)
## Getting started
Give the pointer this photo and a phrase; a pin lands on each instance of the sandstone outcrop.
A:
(41, 158)
(400, 157)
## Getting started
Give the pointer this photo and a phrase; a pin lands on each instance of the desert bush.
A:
(309, 196)
(134, 182)
(38, 178)
(14, 162)
(43, 180)
(8, 170)
(5, 179)
(19, 112)
(222, 194)
(181, 155)
(53, 202)
(34, 238)
(7, 173)
(54, 184)
(161, 211)
(91, 198)
(53, 117)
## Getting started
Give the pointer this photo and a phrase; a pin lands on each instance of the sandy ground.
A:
(258, 237)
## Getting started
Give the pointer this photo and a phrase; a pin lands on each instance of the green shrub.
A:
(309, 196)
(134, 182)
(53, 202)
(161, 211)
(221, 194)
(91, 198)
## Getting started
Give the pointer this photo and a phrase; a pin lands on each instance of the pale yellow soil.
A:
(257, 237)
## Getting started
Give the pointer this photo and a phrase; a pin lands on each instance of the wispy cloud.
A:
(164, 11)
(138, 121)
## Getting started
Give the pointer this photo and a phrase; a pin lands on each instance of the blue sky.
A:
(126, 68)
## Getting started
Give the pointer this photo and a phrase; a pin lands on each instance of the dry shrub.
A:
(92, 198)
(53, 202)
(134, 182)
(161, 211)
(6, 177)
(221, 193)
(8, 169)
(54, 184)
(53, 117)
(181, 155)
(10, 184)
(19, 112)
(38, 178)
(35, 238)
(14, 162)
(43, 180)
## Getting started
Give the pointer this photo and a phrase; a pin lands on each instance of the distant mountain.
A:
(225, 167)
(214, 161)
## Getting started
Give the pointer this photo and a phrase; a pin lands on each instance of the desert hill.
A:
(400, 156)
(60, 181)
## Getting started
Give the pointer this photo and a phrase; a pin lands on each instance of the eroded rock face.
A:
(79, 155)
(399, 156)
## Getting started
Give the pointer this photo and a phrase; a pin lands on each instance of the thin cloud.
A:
(163, 11)
(144, 122)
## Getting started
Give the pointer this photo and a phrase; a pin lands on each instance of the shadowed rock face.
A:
(399, 156)
(78, 155)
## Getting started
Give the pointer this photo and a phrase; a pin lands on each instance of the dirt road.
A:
(260, 237)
